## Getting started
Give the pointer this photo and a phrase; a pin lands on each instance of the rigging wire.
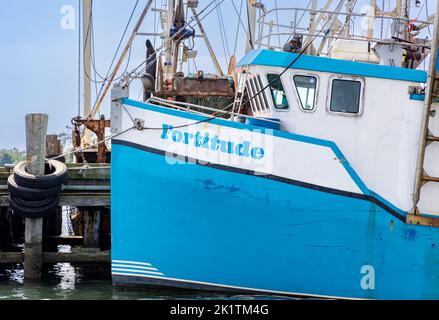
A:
(135, 73)
(161, 48)
(238, 29)
(278, 77)
(90, 33)
(102, 96)
(223, 34)
(420, 10)
(426, 12)
(342, 28)
(109, 73)
(215, 115)
(300, 19)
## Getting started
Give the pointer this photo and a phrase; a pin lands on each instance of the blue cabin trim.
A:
(417, 97)
(271, 58)
(420, 97)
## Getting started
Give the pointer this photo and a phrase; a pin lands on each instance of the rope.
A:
(78, 150)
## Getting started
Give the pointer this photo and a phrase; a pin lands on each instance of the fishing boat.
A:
(318, 180)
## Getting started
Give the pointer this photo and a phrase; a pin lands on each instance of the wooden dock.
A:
(88, 188)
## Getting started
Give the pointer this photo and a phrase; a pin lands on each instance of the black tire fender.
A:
(33, 212)
(37, 203)
(56, 174)
(30, 194)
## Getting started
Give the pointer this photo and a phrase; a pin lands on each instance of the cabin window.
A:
(306, 90)
(278, 92)
(345, 96)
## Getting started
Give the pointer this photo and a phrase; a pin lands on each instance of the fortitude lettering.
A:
(205, 141)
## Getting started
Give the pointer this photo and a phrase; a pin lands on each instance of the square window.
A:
(345, 96)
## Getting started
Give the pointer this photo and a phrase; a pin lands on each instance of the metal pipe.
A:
(358, 38)
(87, 36)
(353, 14)
(176, 104)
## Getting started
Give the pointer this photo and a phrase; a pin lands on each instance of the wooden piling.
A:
(36, 131)
(53, 223)
(53, 146)
(3, 229)
(92, 221)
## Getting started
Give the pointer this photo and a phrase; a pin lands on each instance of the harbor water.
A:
(66, 282)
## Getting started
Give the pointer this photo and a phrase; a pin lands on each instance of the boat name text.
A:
(214, 143)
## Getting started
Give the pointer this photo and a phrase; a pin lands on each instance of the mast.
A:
(178, 22)
(406, 15)
(168, 41)
(312, 26)
(86, 15)
(371, 24)
(251, 13)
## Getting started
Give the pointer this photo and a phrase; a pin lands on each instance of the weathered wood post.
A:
(36, 131)
(3, 228)
(92, 221)
(53, 146)
(53, 225)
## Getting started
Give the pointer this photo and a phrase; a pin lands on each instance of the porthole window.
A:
(345, 96)
(306, 87)
(278, 92)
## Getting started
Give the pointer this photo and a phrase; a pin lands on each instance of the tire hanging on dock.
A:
(36, 196)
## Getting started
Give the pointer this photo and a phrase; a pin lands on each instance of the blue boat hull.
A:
(195, 226)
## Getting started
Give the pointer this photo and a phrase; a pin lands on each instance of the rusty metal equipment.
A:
(198, 87)
(98, 128)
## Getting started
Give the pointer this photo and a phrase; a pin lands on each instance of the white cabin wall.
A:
(381, 144)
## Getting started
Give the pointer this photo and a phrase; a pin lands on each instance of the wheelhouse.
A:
(368, 110)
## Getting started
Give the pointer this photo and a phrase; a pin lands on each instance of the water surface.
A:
(66, 282)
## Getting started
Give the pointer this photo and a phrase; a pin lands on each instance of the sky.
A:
(39, 54)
